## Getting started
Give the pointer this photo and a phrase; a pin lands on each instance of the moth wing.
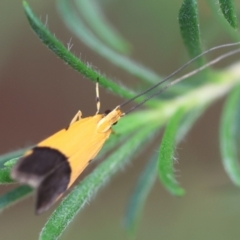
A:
(81, 159)
(57, 161)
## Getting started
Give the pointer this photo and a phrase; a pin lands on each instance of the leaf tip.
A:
(25, 4)
(180, 192)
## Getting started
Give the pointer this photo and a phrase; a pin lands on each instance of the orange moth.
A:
(56, 162)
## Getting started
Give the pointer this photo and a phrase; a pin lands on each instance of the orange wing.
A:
(56, 162)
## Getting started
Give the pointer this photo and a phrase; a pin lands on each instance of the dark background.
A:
(39, 94)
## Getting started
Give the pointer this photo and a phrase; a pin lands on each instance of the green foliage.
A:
(166, 155)
(61, 51)
(227, 8)
(12, 155)
(5, 175)
(76, 25)
(92, 13)
(14, 196)
(133, 131)
(214, 7)
(139, 195)
(229, 134)
(75, 200)
(189, 26)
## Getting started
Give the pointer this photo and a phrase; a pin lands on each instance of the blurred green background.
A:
(39, 94)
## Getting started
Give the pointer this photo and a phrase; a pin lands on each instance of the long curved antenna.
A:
(184, 77)
(178, 70)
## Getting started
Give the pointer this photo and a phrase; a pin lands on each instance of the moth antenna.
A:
(184, 77)
(180, 69)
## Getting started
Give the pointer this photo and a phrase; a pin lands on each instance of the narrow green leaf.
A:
(14, 196)
(6, 162)
(149, 174)
(139, 195)
(166, 155)
(72, 203)
(213, 35)
(229, 131)
(189, 27)
(228, 10)
(76, 25)
(237, 134)
(93, 15)
(126, 128)
(14, 154)
(59, 49)
(5, 175)
(11, 162)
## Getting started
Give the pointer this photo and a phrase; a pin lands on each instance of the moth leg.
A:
(97, 96)
(76, 118)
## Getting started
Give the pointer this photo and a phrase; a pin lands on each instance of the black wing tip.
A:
(46, 169)
(24, 178)
(41, 209)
